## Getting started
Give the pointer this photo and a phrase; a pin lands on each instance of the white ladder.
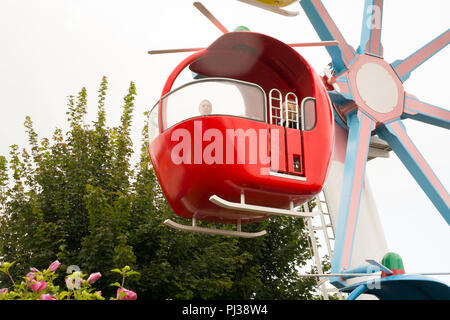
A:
(275, 107)
(327, 231)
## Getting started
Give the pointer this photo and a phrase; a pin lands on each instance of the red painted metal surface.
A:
(294, 151)
(278, 157)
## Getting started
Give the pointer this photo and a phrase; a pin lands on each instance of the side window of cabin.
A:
(308, 113)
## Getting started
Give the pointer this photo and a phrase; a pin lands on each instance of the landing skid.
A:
(231, 233)
(240, 207)
(260, 210)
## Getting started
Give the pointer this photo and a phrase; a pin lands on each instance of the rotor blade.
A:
(371, 28)
(174, 50)
(360, 129)
(306, 44)
(432, 273)
(395, 134)
(379, 265)
(343, 54)
(406, 66)
(331, 275)
(210, 16)
(314, 44)
(425, 112)
(270, 8)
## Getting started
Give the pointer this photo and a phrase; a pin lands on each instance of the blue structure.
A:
(401, 287)
(370, 98)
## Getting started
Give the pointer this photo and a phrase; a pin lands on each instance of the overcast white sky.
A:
(52, 48)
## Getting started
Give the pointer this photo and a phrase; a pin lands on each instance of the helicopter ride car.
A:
(251, 136)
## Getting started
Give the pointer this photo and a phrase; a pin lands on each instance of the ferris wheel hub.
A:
(375, 88)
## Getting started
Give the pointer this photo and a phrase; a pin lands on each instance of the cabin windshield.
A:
(153, 123)
(213, 96)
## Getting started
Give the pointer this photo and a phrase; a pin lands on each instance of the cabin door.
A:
(285, 134)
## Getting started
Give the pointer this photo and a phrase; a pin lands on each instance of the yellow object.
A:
(277, 3)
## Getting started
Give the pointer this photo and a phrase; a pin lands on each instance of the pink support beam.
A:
(404, 67)
(360, 130)
(425, 112)
(371, 28)
(367, 125)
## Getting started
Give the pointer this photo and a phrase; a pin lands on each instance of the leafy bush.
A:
(77, 197)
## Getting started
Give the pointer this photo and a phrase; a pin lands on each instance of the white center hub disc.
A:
(377, 87)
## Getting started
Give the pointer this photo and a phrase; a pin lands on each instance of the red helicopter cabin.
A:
(249, 137)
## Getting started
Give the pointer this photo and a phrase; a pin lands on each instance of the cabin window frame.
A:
(282, 118)
(162, 123)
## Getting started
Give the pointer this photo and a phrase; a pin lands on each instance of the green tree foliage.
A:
(77, 198)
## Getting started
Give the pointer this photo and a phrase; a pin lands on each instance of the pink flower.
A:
(38, 286)
(4, 290)
(34, 270)
(48, 297)
(94, 277)
(74, 280)
(129, 295)
(69, 284)
(30, 276)
(54, 266)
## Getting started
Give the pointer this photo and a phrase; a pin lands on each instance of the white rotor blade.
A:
(210, 16)
(379, 265)
(433, 273)
(174, 50)
(330, 275)
(315, 44)
(293, 45)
